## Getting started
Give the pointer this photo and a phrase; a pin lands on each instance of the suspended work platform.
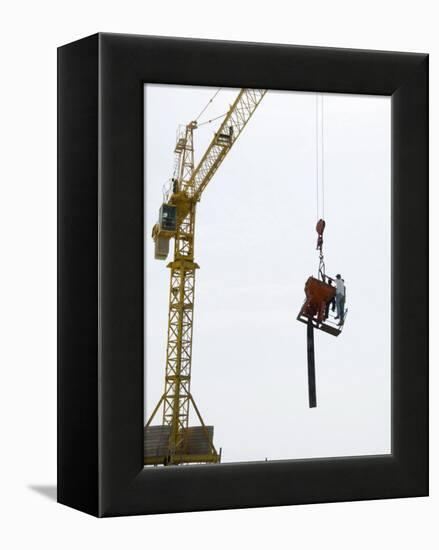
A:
(317, 312)
(330, 325)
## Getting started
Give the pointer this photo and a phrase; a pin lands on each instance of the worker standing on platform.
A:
(340, 297)
(331, 302)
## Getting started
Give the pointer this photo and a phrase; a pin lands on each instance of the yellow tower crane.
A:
(174, 441)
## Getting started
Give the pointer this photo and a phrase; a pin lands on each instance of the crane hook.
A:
(320, 228)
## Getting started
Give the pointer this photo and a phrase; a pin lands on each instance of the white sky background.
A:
(255, 244)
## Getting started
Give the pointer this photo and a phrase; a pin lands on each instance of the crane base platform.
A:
(197, 446)
(180, 459)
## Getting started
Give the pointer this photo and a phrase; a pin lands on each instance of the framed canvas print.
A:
(243, 275)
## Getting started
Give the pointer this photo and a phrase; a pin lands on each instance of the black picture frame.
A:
(101, 261)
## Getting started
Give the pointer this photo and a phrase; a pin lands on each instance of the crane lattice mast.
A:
(175, 442)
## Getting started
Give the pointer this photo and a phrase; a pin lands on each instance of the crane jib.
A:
(235, 121)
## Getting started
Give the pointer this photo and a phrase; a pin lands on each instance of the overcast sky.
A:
(255, 244)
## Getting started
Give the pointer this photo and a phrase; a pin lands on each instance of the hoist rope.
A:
(323, 161)
(320, 171)
(211, 120)
(208, 103)
(320, 182)
(317, 156)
